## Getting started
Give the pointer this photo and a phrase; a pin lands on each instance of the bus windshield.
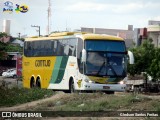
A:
(106, 58)
(111, 46)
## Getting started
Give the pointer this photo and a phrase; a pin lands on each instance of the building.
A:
(18, 42)
(127, 35)
(154, 32)
(6, 26)
(140, 34)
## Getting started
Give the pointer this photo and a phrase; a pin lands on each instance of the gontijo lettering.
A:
(42, 63)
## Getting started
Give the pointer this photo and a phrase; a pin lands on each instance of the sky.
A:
(74, 14)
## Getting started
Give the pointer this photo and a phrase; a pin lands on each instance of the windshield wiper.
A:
(110, 66)
(114, 72)
(101, 68)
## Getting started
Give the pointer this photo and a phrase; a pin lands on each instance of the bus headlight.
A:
(91, 81)
(121, 82)
(86, 80)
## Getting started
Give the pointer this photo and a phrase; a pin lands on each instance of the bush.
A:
(14, 96)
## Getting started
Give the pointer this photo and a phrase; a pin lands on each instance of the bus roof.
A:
(100, 37)
(84, 36)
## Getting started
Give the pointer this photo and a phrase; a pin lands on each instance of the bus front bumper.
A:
(104, 87)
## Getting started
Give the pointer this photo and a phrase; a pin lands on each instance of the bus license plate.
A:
(106, 87)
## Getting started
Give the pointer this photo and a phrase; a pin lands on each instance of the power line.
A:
(38, 29)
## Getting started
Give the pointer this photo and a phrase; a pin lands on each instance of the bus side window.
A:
(26, 48)
(47, 48)
(55, 48)
(66, 47)
(72, 46)
(29, 51)
(79, 54)
(34, 50)
(60, 48)
(52, 47)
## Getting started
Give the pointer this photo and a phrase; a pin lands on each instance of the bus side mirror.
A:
(84, 55)
(131, 57)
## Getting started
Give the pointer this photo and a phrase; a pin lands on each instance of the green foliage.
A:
(6, 47)
(12, 48)
(143, 57)
(2, 50)
(2, 34)
(13, 96)
(146, 60)
(154, 69)
(2, 46)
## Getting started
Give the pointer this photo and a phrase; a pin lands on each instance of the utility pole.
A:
(19, 35)
(49, 17)
(38, 28)
(158, 35)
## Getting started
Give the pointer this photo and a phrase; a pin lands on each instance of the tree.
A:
(147, 59)
(2, 46)
(12, 48)
(6, 47)
(143, 55)
(154, 69)
(3, 34)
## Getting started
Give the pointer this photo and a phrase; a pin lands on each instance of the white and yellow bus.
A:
(71, 62)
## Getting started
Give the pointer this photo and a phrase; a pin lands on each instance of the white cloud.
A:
(157, 18)
(114, 8)
(127, 7)
(86, 6)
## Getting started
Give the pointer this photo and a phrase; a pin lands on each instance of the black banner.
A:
(40, 114)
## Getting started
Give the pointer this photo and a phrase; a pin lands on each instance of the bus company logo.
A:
(42, 63)
(8, 7)
(6, 114)
(21, 8)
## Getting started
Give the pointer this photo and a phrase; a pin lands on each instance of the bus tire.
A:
(109, 92)
(71, 85)
(38, 83)
(32, 83)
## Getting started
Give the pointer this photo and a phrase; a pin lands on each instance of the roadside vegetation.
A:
(14, 96)
(146, 60)
(101, 102)
(7, 47)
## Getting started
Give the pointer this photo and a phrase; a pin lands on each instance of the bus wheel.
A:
(32, 85)
(38, 83)
(71, 86)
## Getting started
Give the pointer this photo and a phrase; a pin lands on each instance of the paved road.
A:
(9, 82)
